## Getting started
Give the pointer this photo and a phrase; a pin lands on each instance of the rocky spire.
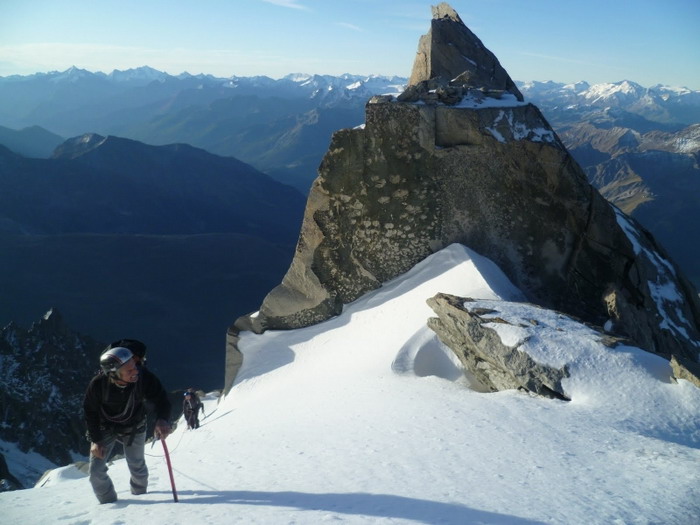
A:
(451, 54)
(472, 164)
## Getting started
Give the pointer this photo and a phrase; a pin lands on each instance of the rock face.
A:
(495, 365)
(486, 171)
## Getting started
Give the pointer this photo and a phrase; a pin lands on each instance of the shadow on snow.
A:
(362, 504)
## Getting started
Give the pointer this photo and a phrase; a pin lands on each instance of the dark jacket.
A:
(110, 408)
(192, 405)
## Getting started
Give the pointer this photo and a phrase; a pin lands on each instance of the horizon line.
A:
(380, 75)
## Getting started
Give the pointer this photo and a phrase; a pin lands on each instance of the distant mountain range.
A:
(283, 128)
(167, 244)
(627, 103)
(128, 187)
(34, 141)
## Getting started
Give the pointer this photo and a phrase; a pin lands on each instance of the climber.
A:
(115, 410)
(191, 406)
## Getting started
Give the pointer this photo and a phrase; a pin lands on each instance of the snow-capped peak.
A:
(143, 73)
(298, 77)
(617, 90)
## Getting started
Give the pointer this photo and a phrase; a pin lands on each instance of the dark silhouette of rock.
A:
(7, 480)
(46, 369)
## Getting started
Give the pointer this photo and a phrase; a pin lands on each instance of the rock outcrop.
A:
(495, 365)
(453, 161)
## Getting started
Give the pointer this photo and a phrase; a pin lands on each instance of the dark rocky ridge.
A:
(486, 171)
(44, 373)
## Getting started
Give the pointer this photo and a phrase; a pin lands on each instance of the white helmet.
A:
(114, 358)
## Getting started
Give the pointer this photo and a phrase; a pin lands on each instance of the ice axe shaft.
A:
(170, 469)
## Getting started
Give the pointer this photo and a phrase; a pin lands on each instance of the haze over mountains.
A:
(282, 127)
(639, 146)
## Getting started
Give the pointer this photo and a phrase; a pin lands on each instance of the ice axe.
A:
(170, 467)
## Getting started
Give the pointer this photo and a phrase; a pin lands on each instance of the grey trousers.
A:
(101, 483)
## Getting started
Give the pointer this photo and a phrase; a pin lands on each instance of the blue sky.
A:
(649, 42)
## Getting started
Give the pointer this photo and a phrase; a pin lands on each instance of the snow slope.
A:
(366, 418)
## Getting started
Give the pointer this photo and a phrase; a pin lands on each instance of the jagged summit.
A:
(451, 55)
